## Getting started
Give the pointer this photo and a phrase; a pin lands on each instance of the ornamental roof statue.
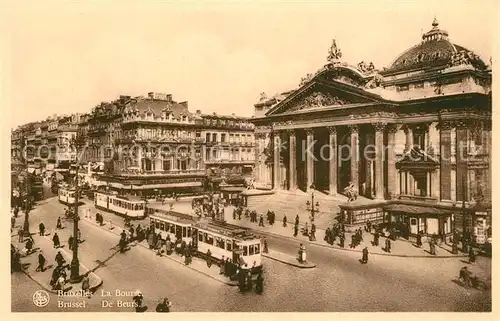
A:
(334, 53)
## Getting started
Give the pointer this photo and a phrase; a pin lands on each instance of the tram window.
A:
(209, 239)
(257, 248)
(220, 243)
(157, 224)
(245, 250)
(172, 228)
(189, 232)
(229, 246)
(167, 226)
(251, 250)
(184, 231)
(140, 207)
(162, 226)
(205, 235)
(200, 237)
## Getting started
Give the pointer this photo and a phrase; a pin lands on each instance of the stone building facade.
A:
(413, 139)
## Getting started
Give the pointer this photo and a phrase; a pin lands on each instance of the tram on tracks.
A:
(121, 205)
(66, 195)
(222, 239)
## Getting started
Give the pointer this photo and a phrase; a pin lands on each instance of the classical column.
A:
(369, 159)
(292, 166)
(257, 163)
(309, 158)
(379, 160)
(139, 156)
(192, 161)
(354, 129)
(393, 187)
(409, 138)
(462, 180)
(333, 161)
(276, 159)
(445, 160)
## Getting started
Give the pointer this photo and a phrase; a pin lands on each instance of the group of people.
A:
(209, 206)
(331, 234)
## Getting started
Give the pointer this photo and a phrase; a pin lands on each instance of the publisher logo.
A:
(41, 298)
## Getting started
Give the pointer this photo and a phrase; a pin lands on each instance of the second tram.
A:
(134, 209)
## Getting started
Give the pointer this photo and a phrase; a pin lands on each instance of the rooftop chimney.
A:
(198, 112)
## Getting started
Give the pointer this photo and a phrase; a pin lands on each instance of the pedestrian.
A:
(241, 280)
(388, 245)
(297, 219)
(209, 258)
(432, 247)
(70, 242)
(259, 284)
(41, 229)
(86, 285)
(364, 259)
(419, 239)
(284, 221)
(221, 265)
(342, 240)
(295, 230)
(41, 262)
(59, 224)
(249, 281)
(266, 249)
(20, 233)
(164, 306)
(139, 301)
(261, 220)
(59, 259)
(12, 222)
(472, 255)
(55, 240)
(376, 236)
(29, 245)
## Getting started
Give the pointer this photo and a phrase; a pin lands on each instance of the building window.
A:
(223, 138)
(214, 137)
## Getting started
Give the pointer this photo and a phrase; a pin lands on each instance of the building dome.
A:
(435, 51)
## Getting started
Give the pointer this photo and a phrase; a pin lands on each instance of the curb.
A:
(230, 283)
(308, 265)
(359, 251)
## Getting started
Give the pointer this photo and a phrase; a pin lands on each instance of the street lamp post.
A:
(311, 206)
(26, 225)
(75, 263)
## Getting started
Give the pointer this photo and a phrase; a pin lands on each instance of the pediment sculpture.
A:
(334, 53)
(317, 99)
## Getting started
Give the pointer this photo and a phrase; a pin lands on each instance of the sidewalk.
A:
(30, 263)
(197, 264)
(399, 248)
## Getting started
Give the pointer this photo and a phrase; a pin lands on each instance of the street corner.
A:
(288, 259)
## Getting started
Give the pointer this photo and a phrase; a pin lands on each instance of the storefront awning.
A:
(153, 186)
(414, 209)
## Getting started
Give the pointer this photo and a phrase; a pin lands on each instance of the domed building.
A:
(407, 146)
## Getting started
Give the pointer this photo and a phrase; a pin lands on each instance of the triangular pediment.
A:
(320, 94)
(417, 158)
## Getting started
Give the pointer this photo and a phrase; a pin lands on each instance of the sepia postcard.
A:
(249, 156)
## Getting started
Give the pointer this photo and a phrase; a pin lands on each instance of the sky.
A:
(62, 57)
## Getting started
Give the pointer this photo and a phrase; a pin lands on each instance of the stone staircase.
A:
(293, 203)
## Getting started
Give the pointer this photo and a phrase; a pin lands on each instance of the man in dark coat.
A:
(41, 229)
(297, 219)
(364, 259)
(284, 221)
(55, 240)
(342, 240)
(376, 236)
(388, 245)
(164, 306)
(472, 255)
(41, 262)
(222, 265)
(70, 243)
(59, 224)
(261, 220)
(419, 239)
(209, 258)
(259, 284)
(59, 259)
(241, 280)
(295, 230)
